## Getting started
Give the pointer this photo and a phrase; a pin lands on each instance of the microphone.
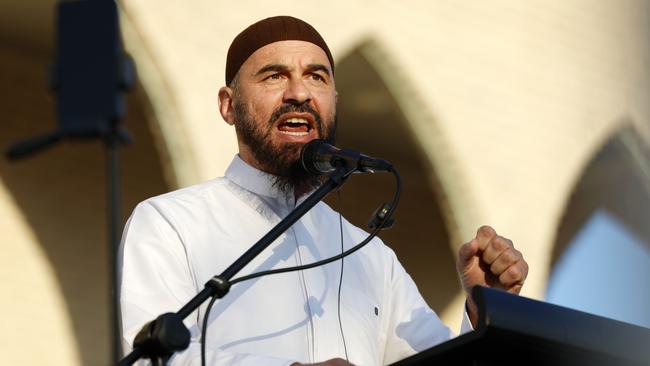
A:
(318, 157)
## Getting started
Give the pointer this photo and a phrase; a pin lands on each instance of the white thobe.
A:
(174, 243)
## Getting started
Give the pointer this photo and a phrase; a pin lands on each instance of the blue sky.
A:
(604, 271)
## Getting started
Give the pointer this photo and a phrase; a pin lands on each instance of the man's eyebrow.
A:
(319, 67)
(284, 68)
(272, 68)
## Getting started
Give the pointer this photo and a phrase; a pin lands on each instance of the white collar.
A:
(257, 182)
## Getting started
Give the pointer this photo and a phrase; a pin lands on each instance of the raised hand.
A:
(490, 260)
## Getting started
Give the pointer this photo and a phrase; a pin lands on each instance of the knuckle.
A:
(514, 272)
(489, 258)
(504, 278)
(518, 254)
(504, 242)
(500, 243)
(494, 268)
(509, 256)
(486, 230)
(496, 243)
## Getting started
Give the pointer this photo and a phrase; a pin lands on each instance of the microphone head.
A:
(310, 156)
(318, 157)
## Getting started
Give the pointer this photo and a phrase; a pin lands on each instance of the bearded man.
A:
(364, 310)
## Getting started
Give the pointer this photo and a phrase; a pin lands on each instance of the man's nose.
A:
(297, 92)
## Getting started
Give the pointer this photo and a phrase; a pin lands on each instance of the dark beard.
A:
(282, 161)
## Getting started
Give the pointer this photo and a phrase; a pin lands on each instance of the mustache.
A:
(301, 108)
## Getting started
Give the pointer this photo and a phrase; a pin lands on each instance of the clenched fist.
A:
(490, 260)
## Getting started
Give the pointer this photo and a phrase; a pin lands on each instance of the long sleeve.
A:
(155, 278)
(412, 326)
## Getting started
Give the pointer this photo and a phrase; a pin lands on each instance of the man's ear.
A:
(225, 105)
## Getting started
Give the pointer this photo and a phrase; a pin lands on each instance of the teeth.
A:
(294, 133)
(297, 120)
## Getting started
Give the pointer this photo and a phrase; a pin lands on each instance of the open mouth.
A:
(295, 126)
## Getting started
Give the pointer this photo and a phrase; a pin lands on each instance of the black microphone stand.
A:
(90, 74)
(160, 338)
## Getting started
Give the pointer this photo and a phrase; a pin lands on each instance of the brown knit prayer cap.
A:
(267, 31)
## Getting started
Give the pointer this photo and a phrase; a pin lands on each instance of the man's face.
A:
(284, 98)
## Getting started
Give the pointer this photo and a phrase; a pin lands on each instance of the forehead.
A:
(296, 53)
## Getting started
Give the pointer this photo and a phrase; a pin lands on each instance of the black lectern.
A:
(514, 330)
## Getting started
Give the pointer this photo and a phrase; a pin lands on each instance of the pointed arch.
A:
(373, 119)
(58, 198)
(161, 109)
(616, 178)
(601, 257)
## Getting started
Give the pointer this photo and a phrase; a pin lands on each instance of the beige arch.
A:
(164, 118)
(454, 195)
(629, 140)
(421, 152)
(37, 328)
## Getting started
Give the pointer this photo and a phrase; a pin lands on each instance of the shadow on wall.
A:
(617, 180)
(371, 121)
(62, 194)
(604, 236)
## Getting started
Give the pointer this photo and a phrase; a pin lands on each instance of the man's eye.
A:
(317, 77)
(274, 77)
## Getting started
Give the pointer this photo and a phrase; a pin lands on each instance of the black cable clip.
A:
(219, 285)
(378, 218)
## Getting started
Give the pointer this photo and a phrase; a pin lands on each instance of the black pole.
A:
(89, 75)
(154, 339)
